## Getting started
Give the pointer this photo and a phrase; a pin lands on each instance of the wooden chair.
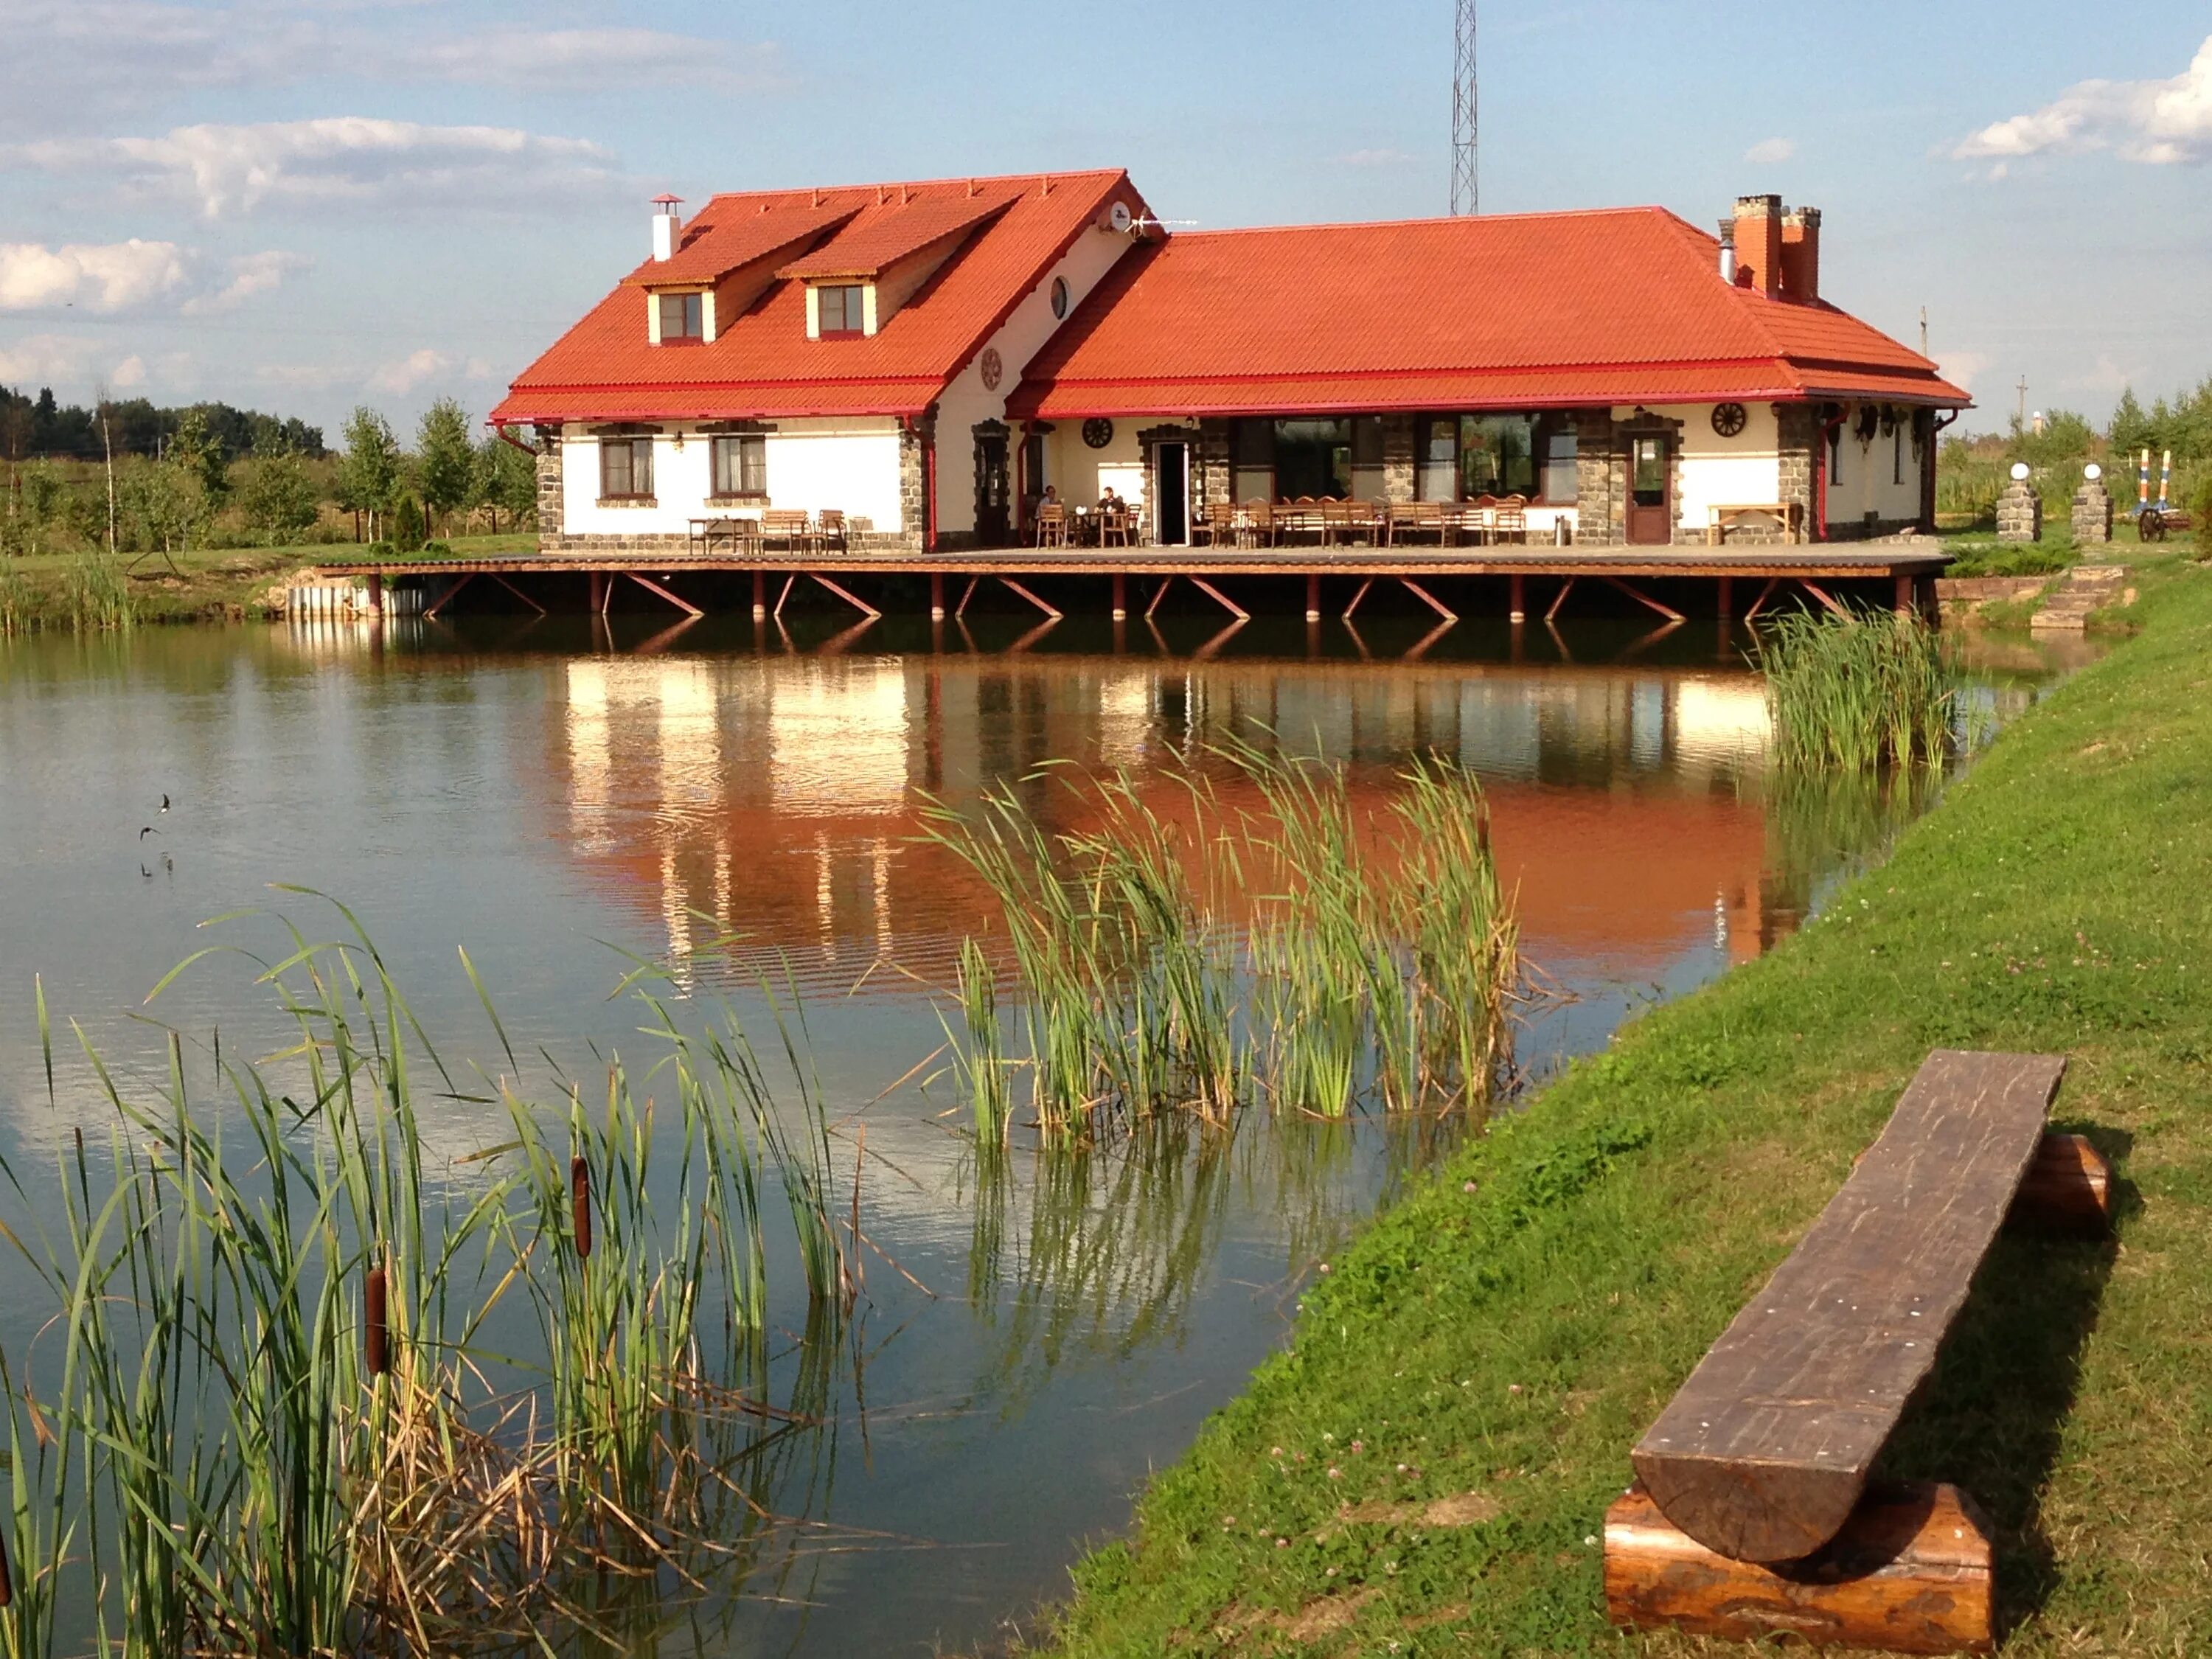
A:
(1114, 528)
(830, 531)
(1752, 1513)
(1336, 520)
(1412, 519)
(1509, 523)
(788, 526)
(1256, 524)
(1051, 524)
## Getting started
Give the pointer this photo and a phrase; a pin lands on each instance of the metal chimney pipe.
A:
(1728, 252)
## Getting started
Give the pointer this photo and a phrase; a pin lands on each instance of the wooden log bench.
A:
(1751, 1515)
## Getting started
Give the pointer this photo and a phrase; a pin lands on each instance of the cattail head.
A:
(377, 1332)
(579, 1198)
(1482, 827)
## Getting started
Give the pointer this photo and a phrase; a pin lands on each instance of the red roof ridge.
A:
(1433, 219)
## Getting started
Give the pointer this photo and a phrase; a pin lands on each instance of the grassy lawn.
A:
(1424, 1470)
(209, 584)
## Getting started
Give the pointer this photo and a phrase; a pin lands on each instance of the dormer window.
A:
(682, 317)
(843, 310)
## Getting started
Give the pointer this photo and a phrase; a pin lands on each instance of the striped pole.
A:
(2143, 481)
(2164, 477)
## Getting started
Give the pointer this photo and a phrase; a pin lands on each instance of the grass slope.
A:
(1501, 1338)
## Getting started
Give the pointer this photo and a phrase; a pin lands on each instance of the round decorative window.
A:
(1098, 432)
(1729, 419)
(1060, 298)
(993, 368)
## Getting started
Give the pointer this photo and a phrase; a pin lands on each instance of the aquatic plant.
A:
(1855, 692)
(96, 593)
(275, 1422)
(1164, 967)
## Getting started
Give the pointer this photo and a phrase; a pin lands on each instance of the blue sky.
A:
(306, 205)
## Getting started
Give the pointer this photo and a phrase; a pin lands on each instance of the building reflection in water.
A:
(779, 795)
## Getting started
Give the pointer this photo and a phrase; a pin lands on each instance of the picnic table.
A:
(1752, 1513)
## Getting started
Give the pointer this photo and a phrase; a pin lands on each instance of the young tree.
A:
(369, 472)
(444, 461)
(506, 480)
(281, 497)
(200, 453)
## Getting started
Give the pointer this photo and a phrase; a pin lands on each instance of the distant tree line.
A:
(33, 429)
(196, 489)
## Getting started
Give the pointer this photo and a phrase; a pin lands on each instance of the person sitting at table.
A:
(1051, 496)
(1110, 502)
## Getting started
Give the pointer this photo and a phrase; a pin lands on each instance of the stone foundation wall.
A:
(1600, 500)
(914, 483)
(1216, 458)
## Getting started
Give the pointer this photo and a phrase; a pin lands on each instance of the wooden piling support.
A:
(1313, 597)
(375, 609)
(652, 587)
(760, 595)
(1120, 596)
(1517, 602)
(1727, 600)
(937, 596)
(1904, 602)
(1565, 588)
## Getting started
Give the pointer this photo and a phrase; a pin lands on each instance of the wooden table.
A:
(1789, 517)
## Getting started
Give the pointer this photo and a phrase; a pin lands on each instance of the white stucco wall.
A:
(1869, 476)
(966, 402)
(1717, 471)
(853, 465)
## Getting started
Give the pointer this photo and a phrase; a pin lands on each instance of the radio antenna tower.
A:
(1463, 187)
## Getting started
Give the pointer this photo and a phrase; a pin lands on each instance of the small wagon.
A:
(2153, 523)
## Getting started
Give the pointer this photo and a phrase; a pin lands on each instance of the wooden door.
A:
(1651, 490)
(1171, 494)
(993, 492)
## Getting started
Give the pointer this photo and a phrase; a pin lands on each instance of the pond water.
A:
(549, 796)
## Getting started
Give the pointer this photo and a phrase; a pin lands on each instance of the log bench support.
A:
(1751, 1515)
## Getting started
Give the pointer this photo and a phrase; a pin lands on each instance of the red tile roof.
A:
(714, 243)
(888, 238)
(761, 365)
(1554, 310)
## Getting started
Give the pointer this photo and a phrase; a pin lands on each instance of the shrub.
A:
(2200, 508)
(407, 528)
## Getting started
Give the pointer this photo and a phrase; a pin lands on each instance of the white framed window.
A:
(741, 465)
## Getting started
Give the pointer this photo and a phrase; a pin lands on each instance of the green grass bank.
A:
(1424, 1469)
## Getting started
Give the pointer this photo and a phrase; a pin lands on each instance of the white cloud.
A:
(109, 277)
(402, 377)
(350, 159)
(1964, 368)
(68, 59)
(128, 374)
(44, 360)
(2161, 123)
(253, 273)
(1771, 152)
(584, 60)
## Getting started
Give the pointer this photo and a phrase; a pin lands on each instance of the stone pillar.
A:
(550, 520)
(2092, 512)
(913, 485)
(1398, 457)
(1216, 480)
(2020, 513)
(1797, 442)
(1601, 482)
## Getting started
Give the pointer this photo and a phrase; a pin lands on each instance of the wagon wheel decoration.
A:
(1098, 432)
(993, 368)
(1729, 419)
(2151, 525)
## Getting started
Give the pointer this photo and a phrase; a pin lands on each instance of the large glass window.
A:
(625, 467)
(1313, 457)
(1253, 461)
(1437, 457)
(682, 317)
(741, 465)
(841, 310)
(1367, 477)
(1561, 447)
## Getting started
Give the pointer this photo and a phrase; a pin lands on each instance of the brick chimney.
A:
(1759, 244)
(1800, 254)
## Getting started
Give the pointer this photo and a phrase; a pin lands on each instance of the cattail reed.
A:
(580, 1205)
(374, 1323)
(1855, 693)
